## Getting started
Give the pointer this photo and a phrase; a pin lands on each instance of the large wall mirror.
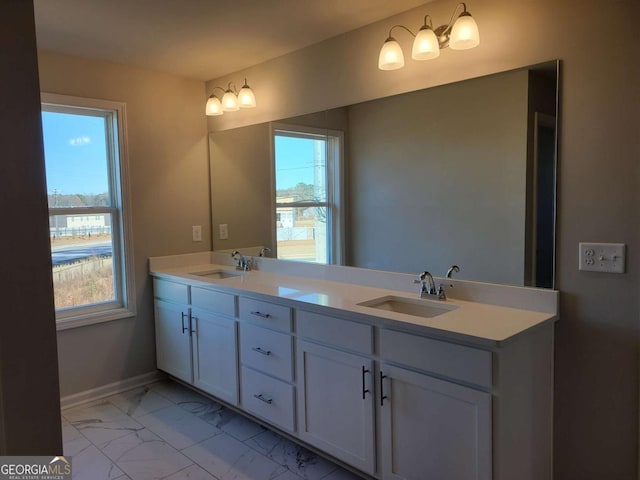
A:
(463, 174)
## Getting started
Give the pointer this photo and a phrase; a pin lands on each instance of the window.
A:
(85, 161)
(308, 219)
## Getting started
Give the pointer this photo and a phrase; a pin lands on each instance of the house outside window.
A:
(89, 225)
(308, 215)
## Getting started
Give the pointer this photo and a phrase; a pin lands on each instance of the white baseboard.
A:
(111, 389)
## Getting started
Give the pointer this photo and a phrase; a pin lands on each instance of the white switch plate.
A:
(196, 233)
(602, 257)
(224, 231)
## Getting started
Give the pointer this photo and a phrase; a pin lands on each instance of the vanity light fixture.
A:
(232, 100)
(460, 34)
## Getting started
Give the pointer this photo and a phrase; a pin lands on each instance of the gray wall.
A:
(596, 364)
(29, 394)
(428, 168)
(169, 172)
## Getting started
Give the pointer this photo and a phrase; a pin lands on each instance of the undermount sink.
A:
(218, 274)
(417, 307)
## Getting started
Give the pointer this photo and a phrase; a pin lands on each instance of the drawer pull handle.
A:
(193, 321)
(264, 399)
(364, 389)
(184, 329)
(261, 351)
(260, 314)
(382, 395)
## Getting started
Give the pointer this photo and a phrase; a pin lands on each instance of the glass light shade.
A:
(391, 57)
(230, 102)
(425, 46)
(464, 34)
(246, 98)
(214, 107)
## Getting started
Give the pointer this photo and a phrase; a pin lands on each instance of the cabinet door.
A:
(173, 342)
(336, 404)
(215, 364)
(433, 429)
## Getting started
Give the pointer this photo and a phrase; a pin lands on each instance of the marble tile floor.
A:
(166, 431)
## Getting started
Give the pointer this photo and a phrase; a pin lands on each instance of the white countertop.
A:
(474, 322)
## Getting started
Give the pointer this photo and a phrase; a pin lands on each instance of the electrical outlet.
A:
(196, 233)
(602, 257)
(224, 231)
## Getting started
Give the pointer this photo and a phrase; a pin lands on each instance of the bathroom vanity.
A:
(362, 370)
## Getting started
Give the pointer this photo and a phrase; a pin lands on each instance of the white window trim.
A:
(335, 189)
(128, 308)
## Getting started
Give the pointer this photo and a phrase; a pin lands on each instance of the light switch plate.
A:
(224, 231)
(196, 233)
(602, 257)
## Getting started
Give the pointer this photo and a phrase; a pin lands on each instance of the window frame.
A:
(335, 186)
(124, 304)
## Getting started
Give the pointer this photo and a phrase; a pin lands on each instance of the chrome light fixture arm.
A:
(390, 37)
(443, 32)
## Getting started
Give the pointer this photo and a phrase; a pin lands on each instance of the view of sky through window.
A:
(75, 154)
(300, 161)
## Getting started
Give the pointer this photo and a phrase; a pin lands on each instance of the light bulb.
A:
(246, 97)
(464, 34)
(230, 102)
(425, 46)
(214, 107)
(391, 57)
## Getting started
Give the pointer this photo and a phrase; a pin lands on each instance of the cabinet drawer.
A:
(341, 333)
(268, 398)
(456, 361)
(268, 351)
(265, 314)
(171, 291)
(213, 301)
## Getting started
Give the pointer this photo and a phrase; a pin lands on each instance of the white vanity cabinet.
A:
(173, 336)
(173, 339)
(196, 337)
(336, 400)
(431, 427)
(390, 399)
(266, 355)
(214, 338)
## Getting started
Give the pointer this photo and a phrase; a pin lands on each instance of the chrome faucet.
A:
(441, 291)
(242, 263)
(452, 268)
(424, 279)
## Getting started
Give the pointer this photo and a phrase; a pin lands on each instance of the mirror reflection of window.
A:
(306, 166)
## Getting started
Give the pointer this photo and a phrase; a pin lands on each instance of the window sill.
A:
(93, 318)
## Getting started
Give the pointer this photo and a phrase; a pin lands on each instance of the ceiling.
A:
(200, 39)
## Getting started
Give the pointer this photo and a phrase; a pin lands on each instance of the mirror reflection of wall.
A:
(458, 174)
